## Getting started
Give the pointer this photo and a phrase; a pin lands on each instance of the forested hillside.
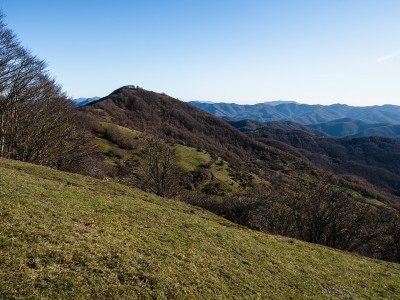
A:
(374, 158)
(352, 128)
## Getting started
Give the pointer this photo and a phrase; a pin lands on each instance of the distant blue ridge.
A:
(83, 101)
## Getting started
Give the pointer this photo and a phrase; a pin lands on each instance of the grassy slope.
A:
(189, 158)
(68, 236)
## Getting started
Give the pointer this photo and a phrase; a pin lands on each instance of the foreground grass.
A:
(67, 236)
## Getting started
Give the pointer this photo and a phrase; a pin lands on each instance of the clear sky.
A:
(243, 51)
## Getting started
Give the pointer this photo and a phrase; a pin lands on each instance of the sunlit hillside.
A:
(67, 236)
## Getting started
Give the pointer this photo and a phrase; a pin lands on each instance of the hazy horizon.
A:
(222, 51)
(242, 103)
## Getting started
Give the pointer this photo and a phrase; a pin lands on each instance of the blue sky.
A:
(342, 51)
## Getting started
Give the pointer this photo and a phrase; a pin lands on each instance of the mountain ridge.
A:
(305, 114)
(348, 127)
(78, 102)
(183, 123)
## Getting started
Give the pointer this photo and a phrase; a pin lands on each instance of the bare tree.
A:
(158, 170)
(324, 213)
(20, 75)
(393, 234)
(37, 121)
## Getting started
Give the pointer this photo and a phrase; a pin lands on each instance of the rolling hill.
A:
(63, 235)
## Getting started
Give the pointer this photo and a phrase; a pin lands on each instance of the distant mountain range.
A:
(83, 101)
(302, 113)
(267, 102)
(337, 120)
(355, 128)
(279, 102)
